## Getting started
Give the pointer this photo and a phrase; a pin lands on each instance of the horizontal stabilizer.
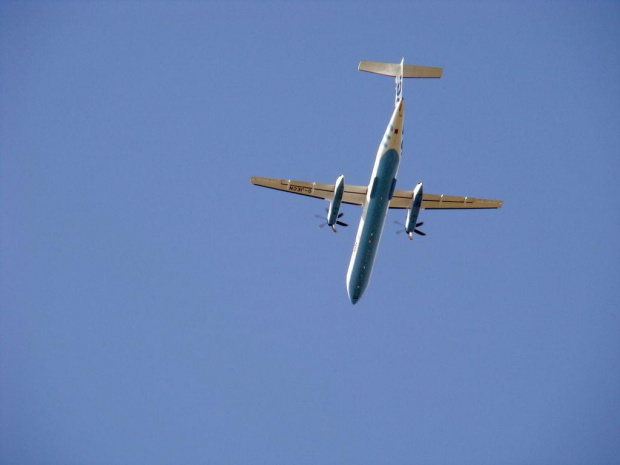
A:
(393, 69)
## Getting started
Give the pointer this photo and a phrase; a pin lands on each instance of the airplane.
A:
(380, 194)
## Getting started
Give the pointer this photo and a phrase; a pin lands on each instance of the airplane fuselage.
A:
(374, 211)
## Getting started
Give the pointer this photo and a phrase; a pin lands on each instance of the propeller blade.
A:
(417, 231)
(340, 223)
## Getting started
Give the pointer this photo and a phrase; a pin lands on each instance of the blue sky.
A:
(155, 307)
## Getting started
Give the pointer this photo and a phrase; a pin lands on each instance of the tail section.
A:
(395, 69)
(399, 71)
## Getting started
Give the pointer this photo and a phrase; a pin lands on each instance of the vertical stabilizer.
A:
(399, 83)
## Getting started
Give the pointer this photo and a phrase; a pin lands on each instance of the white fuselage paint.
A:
(374, 211)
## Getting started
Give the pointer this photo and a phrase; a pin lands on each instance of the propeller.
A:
(417, 231)
(338, 222)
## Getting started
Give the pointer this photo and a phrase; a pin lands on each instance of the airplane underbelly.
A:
(371, 226)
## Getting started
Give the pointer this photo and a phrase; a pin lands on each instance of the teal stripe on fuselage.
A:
(374, 220)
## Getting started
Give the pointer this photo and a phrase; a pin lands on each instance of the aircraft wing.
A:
(354, 195)
(402, 200)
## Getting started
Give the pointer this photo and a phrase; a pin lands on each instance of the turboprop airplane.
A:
(380, 194)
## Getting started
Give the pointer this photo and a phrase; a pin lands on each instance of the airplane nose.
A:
(354, 294)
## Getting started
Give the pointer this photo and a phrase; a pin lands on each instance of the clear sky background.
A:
(155, 307)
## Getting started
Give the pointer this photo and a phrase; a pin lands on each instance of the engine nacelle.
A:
(414, 211)
(334, 204)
